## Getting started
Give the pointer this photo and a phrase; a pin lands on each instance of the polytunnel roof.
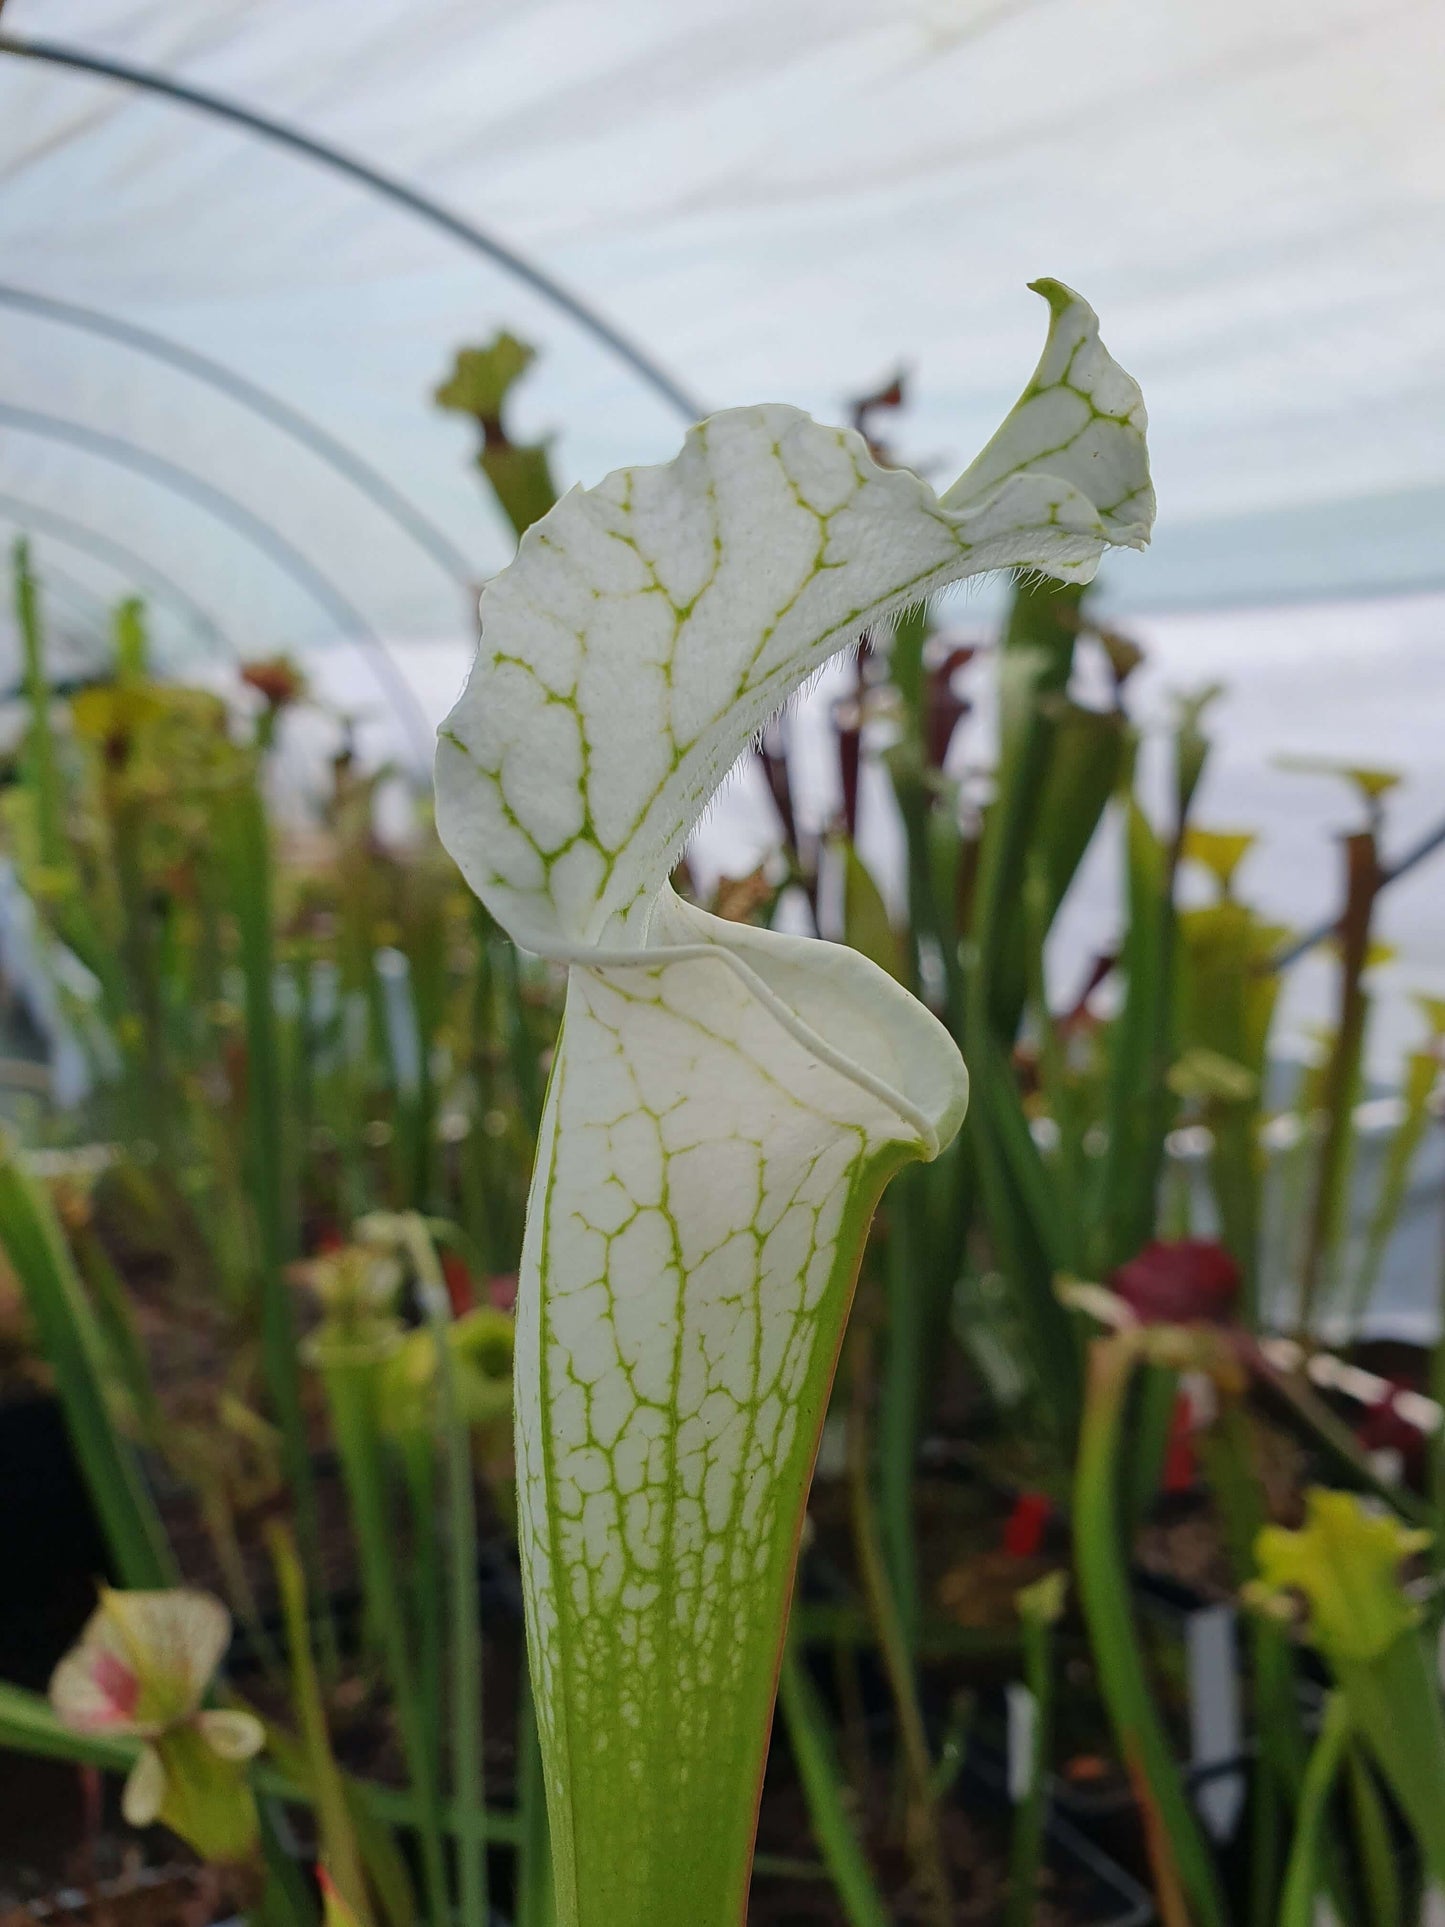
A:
(771, 199)
(217, 353)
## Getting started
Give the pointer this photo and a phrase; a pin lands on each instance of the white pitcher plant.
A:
(726, 1103)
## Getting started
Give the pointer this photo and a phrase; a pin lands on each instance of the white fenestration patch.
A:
(725, 1101)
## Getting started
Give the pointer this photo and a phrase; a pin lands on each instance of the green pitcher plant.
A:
(1345, 1563)
(726, 1103)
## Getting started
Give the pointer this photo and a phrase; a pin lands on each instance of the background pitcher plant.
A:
(726, 1103)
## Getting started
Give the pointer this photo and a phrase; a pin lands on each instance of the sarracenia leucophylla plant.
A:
(726, 1103)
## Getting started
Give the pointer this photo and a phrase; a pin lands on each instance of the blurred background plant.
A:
(262, 1258)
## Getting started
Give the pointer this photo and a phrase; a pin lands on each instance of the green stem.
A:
(132, 643)
(115, 1318)
(925, 1839)
(1342, 1075)
(1282, 1747)
(1022, 1219)
(1039, 645)
(1154, 1421)
(71, 1343)
(1380, 1876)
(338, 1839)
(1235, 1173)
(1304, 1878)
(267, 1140)
(40, 744)
(474, 1158)
(418, 1455)
(29, 1725)
(286, 1898)
(1068, 1169)
(1394, 1703)
(1020, 1204)
(812, 1748)
(72, 909)
(1422, 1075)
(465, 1603)
(1177, 1846)
(1031, 1814)
(351, 1374)
(928, 925)
(147, 1046)
(1138, 1098)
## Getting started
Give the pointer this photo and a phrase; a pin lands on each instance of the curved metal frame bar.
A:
(262, 536)
(259, 401)
(116, 555)
(387, 186)
(504, 257)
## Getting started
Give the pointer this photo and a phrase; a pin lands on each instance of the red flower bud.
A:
(1181, 1281)
(1023, 1532)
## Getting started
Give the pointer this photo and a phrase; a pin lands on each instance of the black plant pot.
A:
(53, 1557)
(1110, 1897)
(54, 1553)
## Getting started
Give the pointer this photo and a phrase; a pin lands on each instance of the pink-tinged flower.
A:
(117, 1693)
(140, 1670)
(142, 1664)
(1179, 1281)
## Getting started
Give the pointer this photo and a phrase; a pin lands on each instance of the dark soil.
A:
(976, 1842)
(66, 1854)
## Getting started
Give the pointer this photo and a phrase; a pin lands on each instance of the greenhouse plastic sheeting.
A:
(773, 198)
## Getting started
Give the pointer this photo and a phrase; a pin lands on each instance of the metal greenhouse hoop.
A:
(262, 535)
(260, 402)
(410, 199)
(117, 555)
